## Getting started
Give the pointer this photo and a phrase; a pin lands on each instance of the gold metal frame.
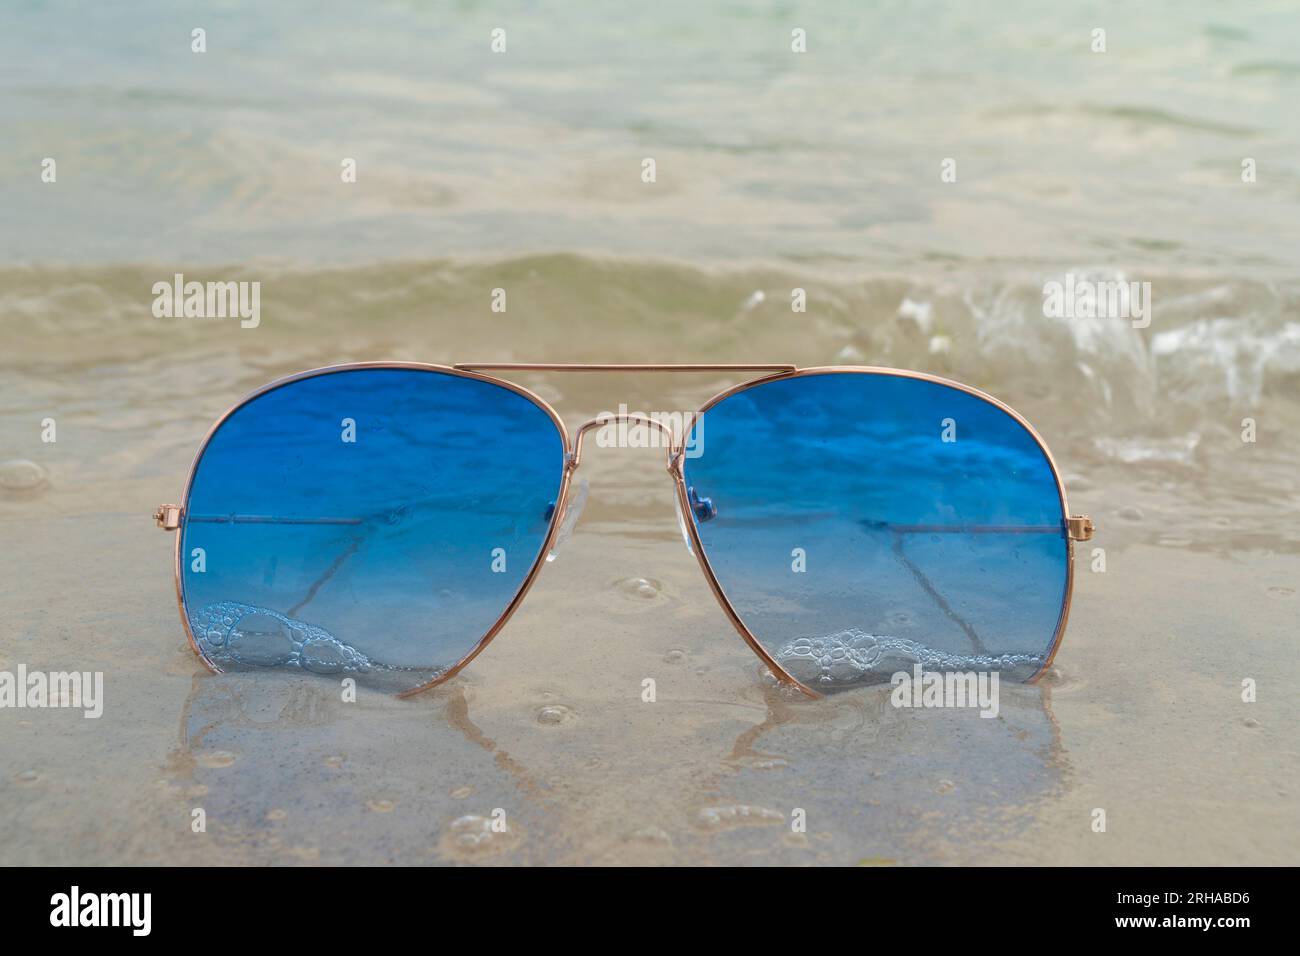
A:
(170, 517)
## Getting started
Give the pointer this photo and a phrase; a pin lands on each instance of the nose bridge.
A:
(673, 442)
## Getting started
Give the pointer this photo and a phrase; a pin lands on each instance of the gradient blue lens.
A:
(372, 523)
(866, 523)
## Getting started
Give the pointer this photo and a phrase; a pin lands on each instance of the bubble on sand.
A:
(1130, 513)
(21, 476)
(334, 762)
(29, 776)
(643, 588)
(1251, 722)
(675, 656)
(379, 806)
(1280, 592)
(555, 714)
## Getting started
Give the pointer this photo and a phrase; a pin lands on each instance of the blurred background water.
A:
(775, 170)
(1128, 158)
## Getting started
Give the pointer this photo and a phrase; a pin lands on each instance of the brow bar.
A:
(575, 367)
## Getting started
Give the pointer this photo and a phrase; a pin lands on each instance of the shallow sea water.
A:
(523, 173)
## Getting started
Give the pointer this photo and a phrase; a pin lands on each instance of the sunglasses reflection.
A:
(284, 770)
(888, 780)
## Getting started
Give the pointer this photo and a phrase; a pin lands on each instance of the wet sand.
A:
(1141, 714)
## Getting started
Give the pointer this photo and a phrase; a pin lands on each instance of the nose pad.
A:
(703, 508)
(576, 500)
(681, 523)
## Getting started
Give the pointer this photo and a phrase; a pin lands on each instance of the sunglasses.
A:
(383, 521)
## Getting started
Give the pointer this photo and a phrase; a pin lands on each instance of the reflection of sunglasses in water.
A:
(384, 520)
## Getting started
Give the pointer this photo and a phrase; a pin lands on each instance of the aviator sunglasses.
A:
(383, 520)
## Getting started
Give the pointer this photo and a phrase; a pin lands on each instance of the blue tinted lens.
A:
(866, 523)
(373, 523)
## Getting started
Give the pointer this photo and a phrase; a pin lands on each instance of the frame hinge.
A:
(167, 517)
(1079, 527)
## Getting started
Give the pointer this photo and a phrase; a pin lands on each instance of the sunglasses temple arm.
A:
(1074, 528)
(270, 519)
(170, 517)
(973, 528)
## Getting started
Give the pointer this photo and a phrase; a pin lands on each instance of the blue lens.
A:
(864, 523)
(372, 522)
